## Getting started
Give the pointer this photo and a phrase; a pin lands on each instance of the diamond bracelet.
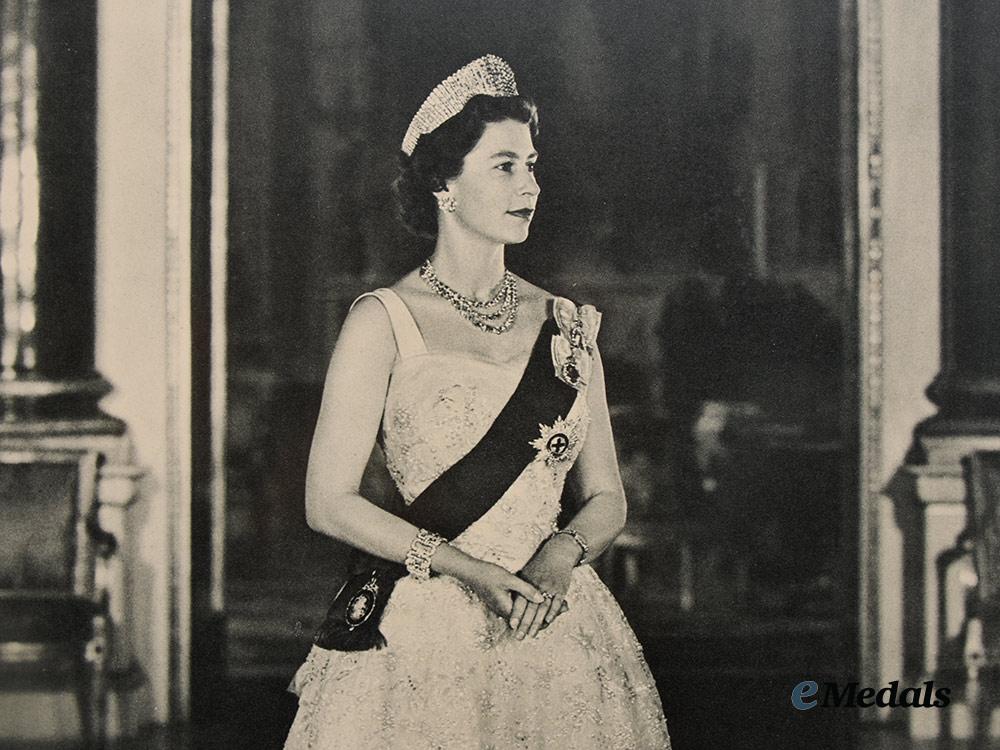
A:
(422, 548)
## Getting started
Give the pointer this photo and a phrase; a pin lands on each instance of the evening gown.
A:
(452, 675)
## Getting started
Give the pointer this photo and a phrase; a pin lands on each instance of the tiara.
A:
(488, 75)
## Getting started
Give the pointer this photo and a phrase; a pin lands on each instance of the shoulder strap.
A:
(409, 340)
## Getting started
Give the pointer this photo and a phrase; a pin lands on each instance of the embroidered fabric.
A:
(452, 675)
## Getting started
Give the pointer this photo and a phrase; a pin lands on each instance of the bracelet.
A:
(580, 539)
(422, 548)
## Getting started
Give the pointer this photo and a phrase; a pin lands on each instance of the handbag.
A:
(352, 621)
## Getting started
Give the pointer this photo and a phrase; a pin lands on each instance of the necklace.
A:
(483, 315)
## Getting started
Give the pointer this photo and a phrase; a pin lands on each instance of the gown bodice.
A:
(438, 406)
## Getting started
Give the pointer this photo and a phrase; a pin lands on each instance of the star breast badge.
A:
(559, 441)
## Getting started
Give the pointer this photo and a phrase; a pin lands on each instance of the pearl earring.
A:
(447, 203)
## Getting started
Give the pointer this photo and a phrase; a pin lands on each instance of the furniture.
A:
(54, 614)
(981, 652)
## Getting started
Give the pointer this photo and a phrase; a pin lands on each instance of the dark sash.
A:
(463, 493)
(459, 497)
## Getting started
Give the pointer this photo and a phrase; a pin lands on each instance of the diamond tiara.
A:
(489, 75)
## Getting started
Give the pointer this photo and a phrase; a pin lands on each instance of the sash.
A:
(457, 498)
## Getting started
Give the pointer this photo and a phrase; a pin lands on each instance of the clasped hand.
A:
(519, 598)
(550, 570)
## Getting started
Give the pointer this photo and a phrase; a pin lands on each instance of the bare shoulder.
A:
(369, 315)
(533, 295)
(538, 298)
(413, 290)
(372, 312)
(367, 332)
(409, 283)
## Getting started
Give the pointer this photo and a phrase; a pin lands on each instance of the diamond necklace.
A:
(481, 314)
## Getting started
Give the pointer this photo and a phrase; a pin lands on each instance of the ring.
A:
(547, 595)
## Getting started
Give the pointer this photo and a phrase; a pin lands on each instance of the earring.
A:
(447, 203)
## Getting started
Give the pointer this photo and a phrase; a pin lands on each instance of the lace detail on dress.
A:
(419, 449)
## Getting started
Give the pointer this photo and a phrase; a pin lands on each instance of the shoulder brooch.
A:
(573, 346)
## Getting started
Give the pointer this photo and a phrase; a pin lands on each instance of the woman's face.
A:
(496, 190)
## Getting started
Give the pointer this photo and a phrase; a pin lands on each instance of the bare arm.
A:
(350, 414)
(596, 478)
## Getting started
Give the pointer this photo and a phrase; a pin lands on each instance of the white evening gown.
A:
(452, 675)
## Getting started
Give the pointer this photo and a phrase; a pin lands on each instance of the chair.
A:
(981, 648)
(54, 621)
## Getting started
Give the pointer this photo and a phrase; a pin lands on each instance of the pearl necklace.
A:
(481, 314)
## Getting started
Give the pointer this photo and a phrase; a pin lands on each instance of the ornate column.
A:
(48, 67)
(967, 388)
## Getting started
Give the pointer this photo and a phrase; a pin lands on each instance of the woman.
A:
(495, 633)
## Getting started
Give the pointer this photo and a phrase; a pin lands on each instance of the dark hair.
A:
(439, 155)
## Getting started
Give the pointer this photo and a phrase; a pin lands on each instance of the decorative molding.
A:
(118, 484)
(870, 329)
(177, 272)
(38, 388)
(219, 251)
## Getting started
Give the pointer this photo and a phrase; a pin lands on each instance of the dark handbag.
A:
(352, 621)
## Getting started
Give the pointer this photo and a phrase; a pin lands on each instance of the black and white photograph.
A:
(481, 375)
